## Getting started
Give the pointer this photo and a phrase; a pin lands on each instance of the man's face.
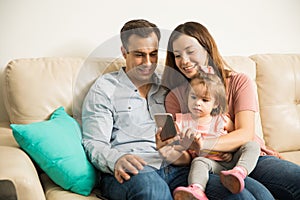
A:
(141, 58)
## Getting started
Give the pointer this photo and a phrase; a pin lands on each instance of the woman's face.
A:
(189, 55)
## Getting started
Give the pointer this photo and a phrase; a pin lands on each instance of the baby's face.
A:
(200, 103)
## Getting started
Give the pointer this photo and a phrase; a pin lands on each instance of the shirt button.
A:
(129, 107)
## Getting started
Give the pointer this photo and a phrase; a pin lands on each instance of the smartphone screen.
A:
(165, 120)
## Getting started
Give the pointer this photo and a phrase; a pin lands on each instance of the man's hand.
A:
(172, 152)
(160, 143)
(128, 165)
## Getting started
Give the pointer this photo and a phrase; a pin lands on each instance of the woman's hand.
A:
(226, 157)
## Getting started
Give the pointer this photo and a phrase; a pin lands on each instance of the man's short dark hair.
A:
(140, 27)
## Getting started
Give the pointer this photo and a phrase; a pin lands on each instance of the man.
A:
(118, 124)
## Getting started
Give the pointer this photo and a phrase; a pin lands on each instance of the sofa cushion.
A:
(34, 87)
(278, 82)
(55, 192)
(55, 145)
(293, 156)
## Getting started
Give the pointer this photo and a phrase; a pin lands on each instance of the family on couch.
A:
(123, 142)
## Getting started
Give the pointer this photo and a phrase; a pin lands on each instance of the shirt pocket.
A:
(128, 110)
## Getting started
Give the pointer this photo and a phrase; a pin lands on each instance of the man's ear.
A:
(124, 52)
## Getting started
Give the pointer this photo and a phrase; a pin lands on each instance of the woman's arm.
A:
(229, 125)
(172, 104)
(176, 100)
(176, 155)
(244, 132)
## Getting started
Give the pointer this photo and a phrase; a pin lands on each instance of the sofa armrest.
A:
(6, 135)
(17, 167)
(55, 192)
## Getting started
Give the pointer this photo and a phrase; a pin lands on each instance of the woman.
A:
(190, 48)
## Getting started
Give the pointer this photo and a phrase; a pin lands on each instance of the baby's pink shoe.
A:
(233, 179)
(192, 192)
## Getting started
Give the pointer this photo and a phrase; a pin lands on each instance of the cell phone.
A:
(165, 120)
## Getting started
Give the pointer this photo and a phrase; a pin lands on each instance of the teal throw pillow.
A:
(55, 145)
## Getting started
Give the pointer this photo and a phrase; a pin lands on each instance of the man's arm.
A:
(97, 124)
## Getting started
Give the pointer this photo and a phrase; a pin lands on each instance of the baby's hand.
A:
(191, 140)
(187, 137)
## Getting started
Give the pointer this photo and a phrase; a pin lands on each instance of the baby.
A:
(206, 118)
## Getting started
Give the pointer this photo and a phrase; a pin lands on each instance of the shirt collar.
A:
(124, 79)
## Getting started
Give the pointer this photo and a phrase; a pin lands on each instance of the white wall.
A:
(36, 28)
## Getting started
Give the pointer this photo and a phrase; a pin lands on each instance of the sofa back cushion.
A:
(35, 87)
(278, 82)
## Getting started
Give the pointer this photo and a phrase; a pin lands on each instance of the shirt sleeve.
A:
(241, 94)
(97, 125)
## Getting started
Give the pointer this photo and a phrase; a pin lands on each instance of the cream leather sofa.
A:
(34, 88)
